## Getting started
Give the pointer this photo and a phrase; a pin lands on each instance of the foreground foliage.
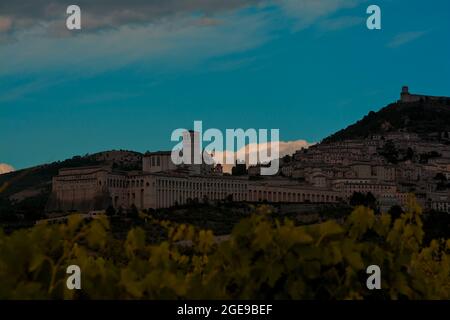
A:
(263, 258)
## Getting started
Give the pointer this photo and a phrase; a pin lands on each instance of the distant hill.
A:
(27, 190)
(428, 118)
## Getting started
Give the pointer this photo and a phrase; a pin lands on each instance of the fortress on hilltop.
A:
(406, 97)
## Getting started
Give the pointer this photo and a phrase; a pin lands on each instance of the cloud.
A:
(5, 24)
(307, 12)
(21, 16)
(105, 14)
(251, 150)
(404, 38)
(154, 34)
(101, 14)
(285, 148)
(5, 168)
(22, 90)
(339, 23)
(174, 44)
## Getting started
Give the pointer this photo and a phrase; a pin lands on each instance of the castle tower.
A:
(405, 89)
(404, 95)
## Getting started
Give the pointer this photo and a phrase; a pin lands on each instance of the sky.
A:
(137, 70)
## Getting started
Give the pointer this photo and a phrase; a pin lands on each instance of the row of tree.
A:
(263, 258)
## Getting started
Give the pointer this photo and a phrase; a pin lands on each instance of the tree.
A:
(442, 181)
(395, 212)
(287, 158)
(133, 212)
(263, 258)
(357, 199)
(441, 177)
(361, 199)
(110, 211)
(371, 201)
(390, 152)
(239, 169)
(409, 154)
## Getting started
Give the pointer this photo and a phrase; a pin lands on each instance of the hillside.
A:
(26, 191)
(428, 118)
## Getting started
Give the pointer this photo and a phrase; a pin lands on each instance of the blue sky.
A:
(308, 68)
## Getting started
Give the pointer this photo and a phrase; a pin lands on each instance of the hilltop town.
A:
(401, 150)
(390, 165)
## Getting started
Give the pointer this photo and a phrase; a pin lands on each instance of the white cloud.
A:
(5, 168)
(165, 35)
(177, 43)
(251, 150)
(405, 37)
